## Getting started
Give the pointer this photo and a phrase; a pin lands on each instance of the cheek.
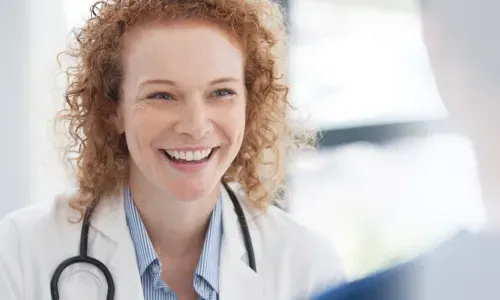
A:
(142, 127)
(235, 123)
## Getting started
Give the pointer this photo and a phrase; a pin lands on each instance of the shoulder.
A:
(280, 225)
(35, 221)
(33, 241)
(276, 224)
(380, 286)
(53, 210)
(304, 251)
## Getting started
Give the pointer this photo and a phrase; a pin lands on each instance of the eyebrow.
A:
(172, 83)
(225, 79)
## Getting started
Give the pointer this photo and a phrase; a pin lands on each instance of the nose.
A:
(194, 120)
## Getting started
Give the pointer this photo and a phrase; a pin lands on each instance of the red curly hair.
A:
(99, 154)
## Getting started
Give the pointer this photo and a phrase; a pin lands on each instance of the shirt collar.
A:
(208, 265)
(144, 249)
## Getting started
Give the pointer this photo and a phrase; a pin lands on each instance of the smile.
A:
(194, 156)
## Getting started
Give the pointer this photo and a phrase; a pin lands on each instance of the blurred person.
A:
(179, 127)
(461, 37)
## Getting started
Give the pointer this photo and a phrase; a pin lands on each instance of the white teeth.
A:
(197, 155)
(189, 155)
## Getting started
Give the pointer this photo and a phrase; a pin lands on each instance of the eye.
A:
(223, 93)
(161, 96)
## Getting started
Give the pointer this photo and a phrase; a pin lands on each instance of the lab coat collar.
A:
(113, 246)
(109, 217)
(237, 279)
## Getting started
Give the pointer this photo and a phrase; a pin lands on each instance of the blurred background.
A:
(389, 180)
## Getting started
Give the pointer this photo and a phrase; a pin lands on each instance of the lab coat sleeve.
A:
(10, 262)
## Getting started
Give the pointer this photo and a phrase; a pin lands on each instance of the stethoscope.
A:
(84, 258)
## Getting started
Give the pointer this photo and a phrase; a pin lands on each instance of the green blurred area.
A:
(375, 250)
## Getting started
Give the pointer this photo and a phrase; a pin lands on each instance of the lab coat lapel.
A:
(110, 242)
(237, 279)
(114, 247)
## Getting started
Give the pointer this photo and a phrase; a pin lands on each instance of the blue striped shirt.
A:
(206, 279)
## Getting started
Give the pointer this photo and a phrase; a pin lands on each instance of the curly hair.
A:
(99, 153)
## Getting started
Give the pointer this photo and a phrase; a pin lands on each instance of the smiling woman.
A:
(162, 70)
(180, 132)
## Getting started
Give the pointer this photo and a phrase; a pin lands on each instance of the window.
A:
(354, 66)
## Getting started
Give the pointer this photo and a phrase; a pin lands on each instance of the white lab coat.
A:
(292, 262)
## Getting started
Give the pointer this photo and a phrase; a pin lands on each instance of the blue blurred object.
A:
(466, 267)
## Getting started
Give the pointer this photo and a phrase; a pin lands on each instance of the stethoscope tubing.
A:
(84, 258)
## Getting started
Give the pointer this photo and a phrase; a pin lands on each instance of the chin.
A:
(190, 190)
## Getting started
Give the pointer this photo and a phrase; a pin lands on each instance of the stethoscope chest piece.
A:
(86, 274)
(82, 279)
(82, 267)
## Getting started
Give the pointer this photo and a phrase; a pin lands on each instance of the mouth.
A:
(189, 157)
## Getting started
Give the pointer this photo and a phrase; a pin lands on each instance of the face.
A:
(182, 106)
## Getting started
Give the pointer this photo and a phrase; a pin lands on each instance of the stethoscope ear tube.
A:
(247, 239)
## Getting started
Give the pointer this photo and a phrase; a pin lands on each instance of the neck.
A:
(176, 228)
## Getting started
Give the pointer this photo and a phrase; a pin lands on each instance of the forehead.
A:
(183, 51)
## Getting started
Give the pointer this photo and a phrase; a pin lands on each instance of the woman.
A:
(169, 101)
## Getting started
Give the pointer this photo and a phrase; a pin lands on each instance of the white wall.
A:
(14, 153)
(36, 31)
(48, 35)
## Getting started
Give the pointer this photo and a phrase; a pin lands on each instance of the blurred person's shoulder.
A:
(466, 266)
(385, 285)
